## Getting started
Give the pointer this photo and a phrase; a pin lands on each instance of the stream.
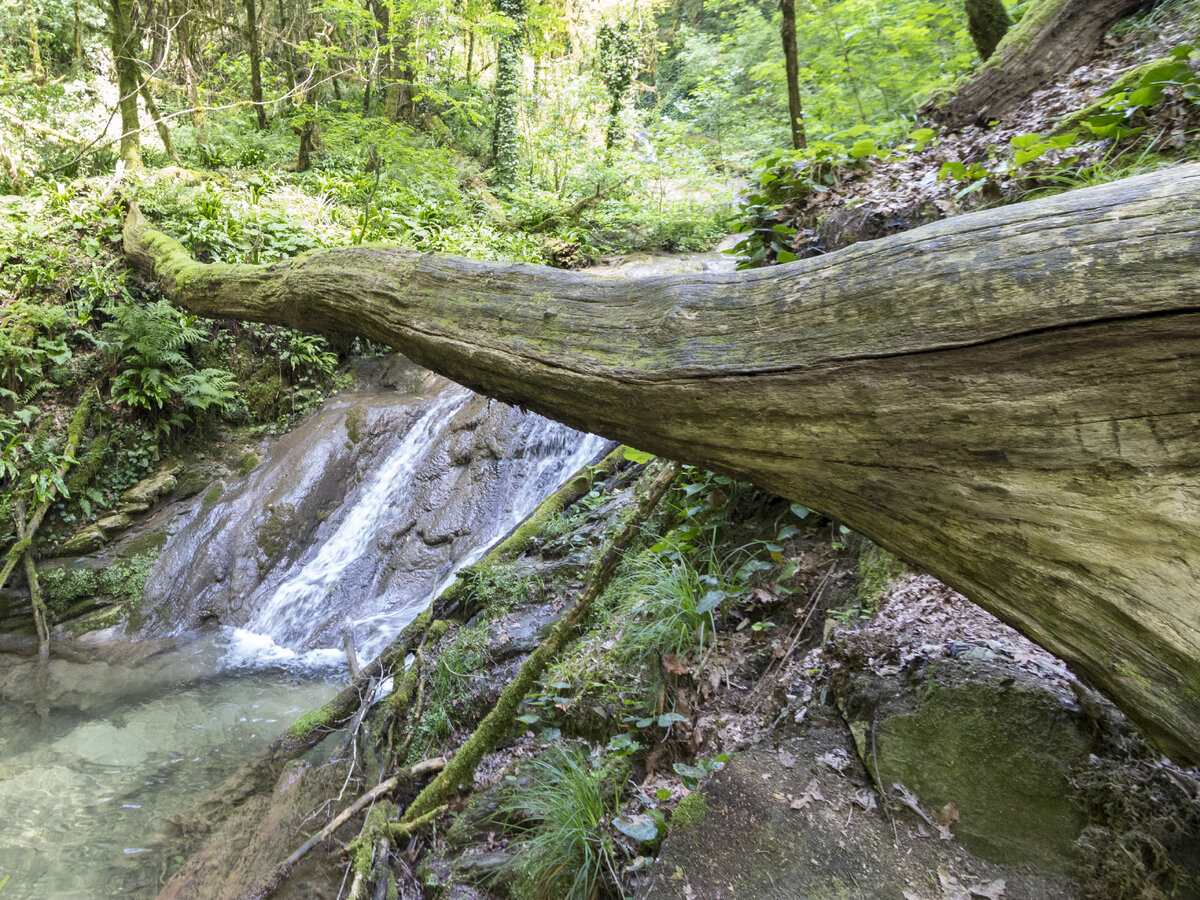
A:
(351, 523)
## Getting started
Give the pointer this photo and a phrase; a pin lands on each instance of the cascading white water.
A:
(288, 615)
(299, 620)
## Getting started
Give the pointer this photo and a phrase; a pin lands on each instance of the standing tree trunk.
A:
(253, 41)
(987, 23)
(470, 54)
(1053, 37)
(77, 49)
(164, 133)
(795, 109)
(506, 148)
(186, 56)
(35, 50)
(124, 51)
(1009, 399)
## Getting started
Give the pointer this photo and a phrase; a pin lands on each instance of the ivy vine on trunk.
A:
(506, 151)
(616, 56)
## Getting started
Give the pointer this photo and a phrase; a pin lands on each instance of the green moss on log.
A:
(987, 22)
(520, 540)
(321, 717)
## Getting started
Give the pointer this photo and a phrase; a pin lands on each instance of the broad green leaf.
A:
(640, 828)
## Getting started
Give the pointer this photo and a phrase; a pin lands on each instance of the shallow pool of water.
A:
(87, 788)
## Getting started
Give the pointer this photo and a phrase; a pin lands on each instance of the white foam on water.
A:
(296, 602)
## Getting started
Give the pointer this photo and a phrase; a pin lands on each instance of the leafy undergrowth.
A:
(1130, 110)
(732, 623)
(684, 660)
(74, 317)
(74, 320)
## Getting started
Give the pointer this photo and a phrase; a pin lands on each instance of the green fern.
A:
(149, 343)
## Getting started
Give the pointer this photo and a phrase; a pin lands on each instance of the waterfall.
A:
(357, 519)
(287, 616)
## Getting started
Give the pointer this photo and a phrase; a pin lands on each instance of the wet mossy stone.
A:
(149, 489)
(149, 542)
(1003, 756)
(83, 542)
(112, 524)
(192, 480)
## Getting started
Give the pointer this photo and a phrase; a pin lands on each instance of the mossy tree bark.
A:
(1009, 399)
(124, 51)
(1054, 36)
(987, 23)
(506, 153)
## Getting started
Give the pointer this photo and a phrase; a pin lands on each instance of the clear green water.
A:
(86, 791)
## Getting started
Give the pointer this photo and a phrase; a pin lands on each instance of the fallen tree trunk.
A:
(1053, 37)
(1009, 399)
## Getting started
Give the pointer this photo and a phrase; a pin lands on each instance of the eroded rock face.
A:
(1001, 755)
(362, 510)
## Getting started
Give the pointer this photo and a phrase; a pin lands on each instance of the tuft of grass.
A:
(567, 850)
(672, 603)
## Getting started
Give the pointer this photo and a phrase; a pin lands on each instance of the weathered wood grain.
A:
(1009, 399)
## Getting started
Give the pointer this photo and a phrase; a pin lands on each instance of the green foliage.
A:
(1050, 161)
(672, 604)
(567, 849)
(450, 685)
(616, 58)
(148, 342)
(506, 150)
(123, 579)
(862, 62)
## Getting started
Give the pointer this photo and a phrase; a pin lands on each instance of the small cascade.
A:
(357, 519)
(288, 615)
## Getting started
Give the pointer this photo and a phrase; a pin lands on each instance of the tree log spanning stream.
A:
(1009, 399)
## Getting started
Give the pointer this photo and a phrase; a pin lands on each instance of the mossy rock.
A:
(264, 397)
(274, 537)
(691, 811)
(114, 523)
(148, 542)
(192, 480)
(247, 463)
(150, 489)
(1003, 756)
(85, 541)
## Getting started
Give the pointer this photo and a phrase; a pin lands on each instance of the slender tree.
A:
(124, 51)
(795, 109)
(506, 153)
(35, 52)
(617, 55)
(987, 23)
(77, 49)
(253, 40)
